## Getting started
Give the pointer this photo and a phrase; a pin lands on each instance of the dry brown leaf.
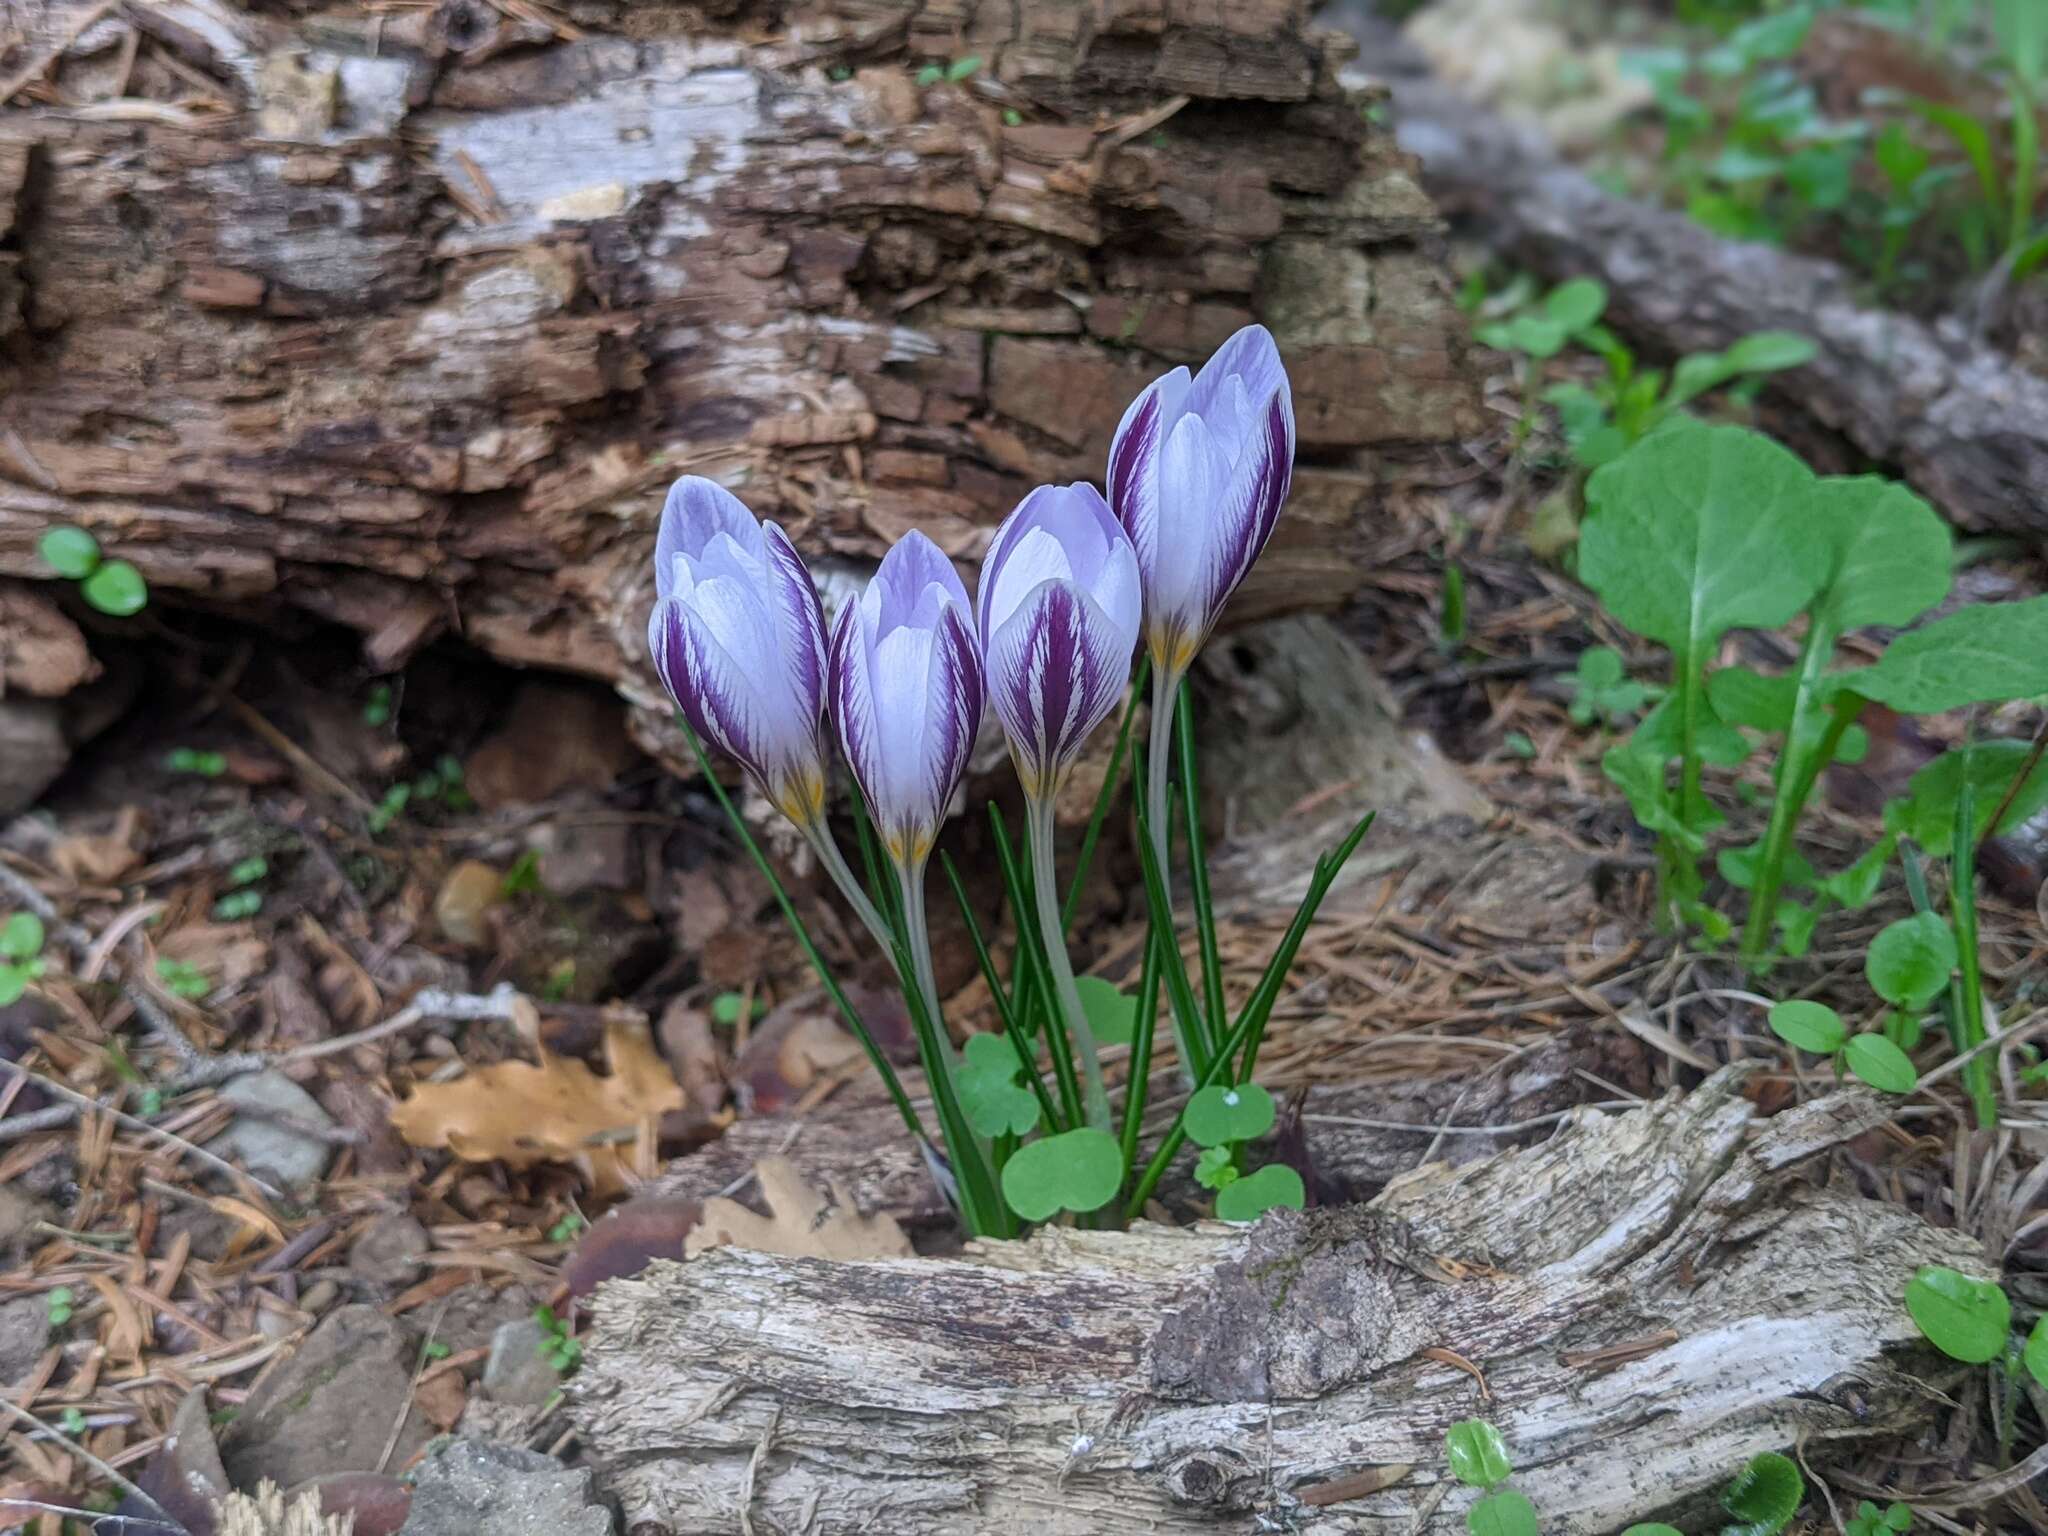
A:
(802, 1223)
(442, 1399)
(229, 954)
(559, 1111)
(100, 860)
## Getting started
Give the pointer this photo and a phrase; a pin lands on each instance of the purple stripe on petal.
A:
(707, 685)
(801, 619)
(1056, 671)
(1249, 511)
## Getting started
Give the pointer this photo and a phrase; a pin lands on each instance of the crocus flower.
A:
(738, 637)
(907, 694)
(1197, 472)
(1058, 611)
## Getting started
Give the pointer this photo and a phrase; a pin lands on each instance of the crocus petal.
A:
(695, 511)
(1194, 475)
(1134, 459)
(801, 619)
(1056, 669)
(1251, 357)
(1249, 509)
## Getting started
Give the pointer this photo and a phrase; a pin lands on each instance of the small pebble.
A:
(462, 905)
(319, 1297)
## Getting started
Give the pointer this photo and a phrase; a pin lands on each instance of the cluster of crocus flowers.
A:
(1197, 474)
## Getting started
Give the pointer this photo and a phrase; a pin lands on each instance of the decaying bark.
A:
(409, 326)
(1964, 423)
(1650, 1299)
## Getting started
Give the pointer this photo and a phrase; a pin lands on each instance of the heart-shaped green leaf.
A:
(1576, 304)
(1218, 1114)
(70, 552)
(1079, 1170)
(2036, 1353)
(1928, 813)
(1890, 552)
(1764, 1496)
(1479, 1457)
(1112, 1016)
(115, 587)
(1809, 1026)
(1966, 1319)
(1880, 1063)
(1274, 1187)
(990, 1096)
(1984, 653)
(1652, 1528)
(21, 937)
(1502, 1514)
(1909, 961)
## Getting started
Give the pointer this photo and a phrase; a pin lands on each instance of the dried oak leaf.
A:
(556, 1112)
(802, 1223)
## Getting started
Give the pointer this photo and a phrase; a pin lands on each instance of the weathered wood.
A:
(1962, 421)
(408, 326)
(1651, 1298)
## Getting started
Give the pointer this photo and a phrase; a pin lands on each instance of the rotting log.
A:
(403, 318)
(1638, 1304)
(1962, 421)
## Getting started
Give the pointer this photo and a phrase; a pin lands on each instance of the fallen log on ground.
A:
(1638, 1304)
(405, 319)
(1962, 421)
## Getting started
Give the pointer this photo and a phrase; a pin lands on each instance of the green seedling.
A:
(558, 1346)
(21, 954)
(58, 1303)
(203, 765)
(1875, 1058)
(183, 979)
(114, 587)
(1602, 690)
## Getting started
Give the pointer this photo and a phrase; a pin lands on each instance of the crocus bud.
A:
(1058, 610)
(907, 693)
(738, 637)
(1197, 472)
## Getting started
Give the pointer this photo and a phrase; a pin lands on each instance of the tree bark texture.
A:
(1639, 1304)
(405, 317)
(1964, 423)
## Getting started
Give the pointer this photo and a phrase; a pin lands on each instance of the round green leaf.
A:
(1652, 1528)
(69, 552)
(1502, 1514)
(1112, 1016)
(2036, 1353)
(1079, 1170)
(1537, 335)
(1909, 962)
(1479, 1457)
(990, 1095)
(1966, 1319)
(1880, 1063)
(116, 588)
(1576, 304)
(1218, 1114)
(1764, 1496)
(21, 937)
(1274, 1187)
(14, 981)
(1809, 1026)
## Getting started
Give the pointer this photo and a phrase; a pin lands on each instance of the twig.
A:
(86, 1456)
(432, 1003)
(14, 1127)
(219, 1164)
(405, 1404)
(1425, 1128)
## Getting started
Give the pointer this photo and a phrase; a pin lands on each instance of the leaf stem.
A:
(1110, 779)
(1198, 866)
(1045, 888)
(1139, 1085)
(1977, 1075)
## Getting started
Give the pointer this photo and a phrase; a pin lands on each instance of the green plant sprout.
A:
(1698, 531)
(57, 1303)
(1869, 1520)
(565, 1229)
(1602, 690)
(242, 900)
(728, 1008)
(202, 765)
(21, 954)
(1479, 1459)
(957, 70)
(183, 979)
(1875, 1058)
(1970, 1320)
(378, 706)
(441, 784)
(557, 1346)
(114, 587)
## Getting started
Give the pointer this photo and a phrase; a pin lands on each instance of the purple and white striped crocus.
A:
(738, 637)
(1198, 470)
(907, 694)
(1059, 609)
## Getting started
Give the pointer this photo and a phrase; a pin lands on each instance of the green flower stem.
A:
(1103, 797)
(803, 939)
(1045, 889)
(1033, 988)
(917, 940)
(1136, 1089)
(1159, 909)
(822, 843)
(1969, 1025)
(1157, 772)
(1011, 1028)
(1198, 868)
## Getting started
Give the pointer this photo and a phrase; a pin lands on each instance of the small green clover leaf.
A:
(70, 552)
(989, 1093)
(1502, 1514)
(1869, 1520)
(1274, 1187)
(1112, 1016)
(1764, 1496)
(1602, 689)
(116, 588)
(1909, 961)
(1652, 1528)
(59, 1302)
(1966, 1319)
(1220, 1114)
(2035, 1355)
(1217, 1167)
(1808, 1026)
(21, 937)
(1880, 1063)
(1079, 1170)
(1479, 1457)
